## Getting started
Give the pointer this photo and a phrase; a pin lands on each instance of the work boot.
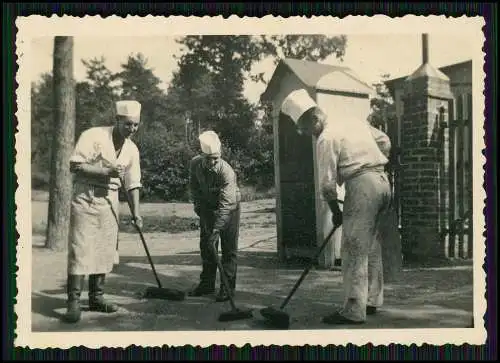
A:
(74, 290)
(338, 319)
(202, 289)
(96, 295)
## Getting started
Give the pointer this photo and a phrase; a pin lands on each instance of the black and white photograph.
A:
(250, 180)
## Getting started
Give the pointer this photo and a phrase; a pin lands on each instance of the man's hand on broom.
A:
(137, 220)
(214, 237)
(336, 213)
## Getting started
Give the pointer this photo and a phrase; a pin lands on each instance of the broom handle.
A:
(306, 271)
(141, 235)
(223, 276)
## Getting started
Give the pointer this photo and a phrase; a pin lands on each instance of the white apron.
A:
(94, 230)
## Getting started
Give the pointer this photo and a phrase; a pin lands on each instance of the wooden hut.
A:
(303, 220)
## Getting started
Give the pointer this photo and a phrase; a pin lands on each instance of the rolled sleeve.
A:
(132, 177)
(383, 141)
(86, 149)
(328, 153)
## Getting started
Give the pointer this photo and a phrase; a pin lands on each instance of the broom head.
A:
(164, 294)
(235, 315)
(276, 318)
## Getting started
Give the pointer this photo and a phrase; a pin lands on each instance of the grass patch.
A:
(251, 193)
(175, 224)
(157, 224)
(151, 224)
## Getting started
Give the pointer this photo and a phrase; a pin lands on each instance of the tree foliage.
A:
(95, 96)
(206, 92)
(383, 109)
(314, 47)
(42, 114)
(212, 73)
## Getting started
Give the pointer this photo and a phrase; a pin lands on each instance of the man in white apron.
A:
(103, 156)
(348, 153)
(216, 198)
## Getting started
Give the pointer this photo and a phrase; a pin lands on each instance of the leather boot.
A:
(203, 289)
(96, 295)
(74, 291)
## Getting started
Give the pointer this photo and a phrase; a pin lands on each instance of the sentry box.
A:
(303, 219)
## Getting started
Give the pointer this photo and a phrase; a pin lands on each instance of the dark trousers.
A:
(229, 246)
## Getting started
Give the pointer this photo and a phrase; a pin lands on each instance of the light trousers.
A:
(367, 196)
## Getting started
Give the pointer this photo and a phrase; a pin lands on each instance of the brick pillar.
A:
(427, 91)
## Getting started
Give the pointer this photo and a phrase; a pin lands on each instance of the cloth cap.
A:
(210, 143)
(296, 103)
(128, 108)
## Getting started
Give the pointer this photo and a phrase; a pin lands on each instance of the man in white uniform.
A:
(348, 153)
(103, 156)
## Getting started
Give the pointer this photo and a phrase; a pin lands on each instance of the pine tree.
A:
(62, 145)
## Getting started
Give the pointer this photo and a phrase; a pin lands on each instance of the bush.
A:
(165, 168)
(254, 167)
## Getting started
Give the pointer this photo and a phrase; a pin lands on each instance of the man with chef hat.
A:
(349, 153)
(216, 198)
(103, 157)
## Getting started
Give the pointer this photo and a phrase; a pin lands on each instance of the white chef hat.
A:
(296, 103)
(128, 108)
(210, 143)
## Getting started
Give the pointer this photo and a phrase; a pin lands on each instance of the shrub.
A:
(165, 168)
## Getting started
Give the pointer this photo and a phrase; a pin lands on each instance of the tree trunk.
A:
(61, 182)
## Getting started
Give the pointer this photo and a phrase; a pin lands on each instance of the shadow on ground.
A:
(266, 260)
(422, 298)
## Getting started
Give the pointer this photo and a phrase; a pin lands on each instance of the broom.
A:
(159, 292)
(234, 313)
(279, 318)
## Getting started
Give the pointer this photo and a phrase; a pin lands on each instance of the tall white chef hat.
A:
(128, 108)
(210, 143)
(296, 103)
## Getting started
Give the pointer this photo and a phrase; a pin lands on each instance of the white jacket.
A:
(345, 149)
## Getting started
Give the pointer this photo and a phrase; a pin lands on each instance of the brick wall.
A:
(422, 174)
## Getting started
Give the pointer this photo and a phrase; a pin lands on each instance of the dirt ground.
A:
(423, 298)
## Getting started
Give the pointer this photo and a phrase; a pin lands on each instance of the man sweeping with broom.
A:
(103, 156)
(216, 199)
(348, 154)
